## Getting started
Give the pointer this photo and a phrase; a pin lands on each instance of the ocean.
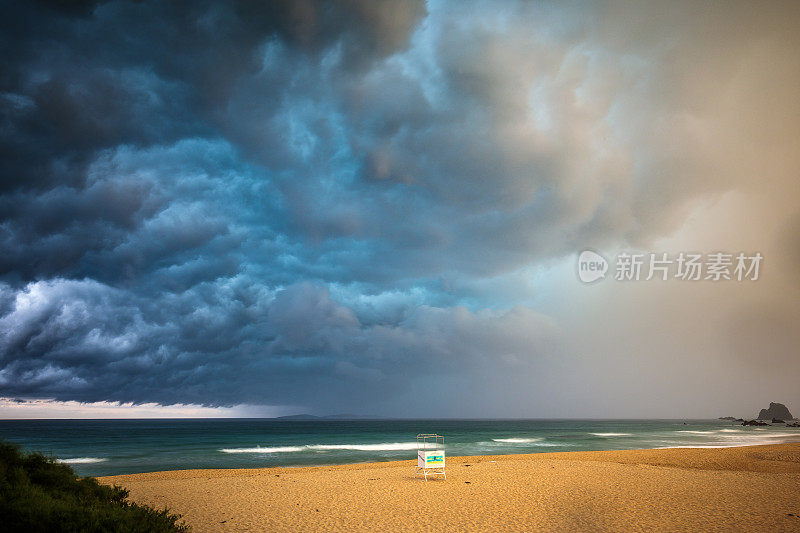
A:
(106, 447)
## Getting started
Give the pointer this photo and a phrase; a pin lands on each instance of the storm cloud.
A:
(370, 206)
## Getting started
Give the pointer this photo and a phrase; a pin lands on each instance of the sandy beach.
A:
(753, 488)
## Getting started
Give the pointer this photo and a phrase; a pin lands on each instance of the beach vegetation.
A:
(39, 494)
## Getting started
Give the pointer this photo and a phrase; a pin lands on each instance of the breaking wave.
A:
(517, 440)
(384, 447)
(82, 460)
(259, 449)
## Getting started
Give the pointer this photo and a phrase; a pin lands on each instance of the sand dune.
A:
(755, 488)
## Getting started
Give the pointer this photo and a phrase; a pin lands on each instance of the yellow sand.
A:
(754, 488)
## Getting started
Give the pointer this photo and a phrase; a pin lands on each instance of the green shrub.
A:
(39, 494)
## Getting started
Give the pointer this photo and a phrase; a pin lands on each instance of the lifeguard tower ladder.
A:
(430, 455)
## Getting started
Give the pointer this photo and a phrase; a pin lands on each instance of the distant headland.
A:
(344, 416)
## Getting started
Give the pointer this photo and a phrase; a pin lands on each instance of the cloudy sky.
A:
(376, 207)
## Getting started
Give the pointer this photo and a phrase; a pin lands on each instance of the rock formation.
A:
(755, 423)
(776, 410)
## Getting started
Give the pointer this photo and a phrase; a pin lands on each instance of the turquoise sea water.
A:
(104, 447)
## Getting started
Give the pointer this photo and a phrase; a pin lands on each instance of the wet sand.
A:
(753, 488)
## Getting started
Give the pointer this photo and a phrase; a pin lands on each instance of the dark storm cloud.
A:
(291, 202)
(75, 81)
(233, 341)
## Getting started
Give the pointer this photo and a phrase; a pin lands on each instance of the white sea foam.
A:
(517, 440)
(696, 432)
(741, 439)
(774, 435)
(486, 446)
(259, 449)
(612, 434)
(82, 460)
(388, 446)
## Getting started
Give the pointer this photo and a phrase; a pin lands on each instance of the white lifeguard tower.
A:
(430, 455)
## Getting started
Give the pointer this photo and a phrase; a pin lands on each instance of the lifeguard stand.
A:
(430, 455)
